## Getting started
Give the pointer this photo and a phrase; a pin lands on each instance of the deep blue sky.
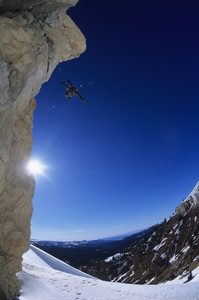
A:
(126, 159)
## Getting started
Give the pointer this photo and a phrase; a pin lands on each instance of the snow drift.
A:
(46, 278)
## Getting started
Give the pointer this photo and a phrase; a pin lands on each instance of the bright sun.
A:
(35, 167)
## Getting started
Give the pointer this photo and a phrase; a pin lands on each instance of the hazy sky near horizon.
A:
(126, 159)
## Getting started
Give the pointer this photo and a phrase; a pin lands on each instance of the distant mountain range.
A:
(154, 255)
(122, 236)
(78, 253)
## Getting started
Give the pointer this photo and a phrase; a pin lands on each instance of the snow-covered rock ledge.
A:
(192, 199)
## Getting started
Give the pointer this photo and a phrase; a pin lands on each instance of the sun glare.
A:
(35, 167)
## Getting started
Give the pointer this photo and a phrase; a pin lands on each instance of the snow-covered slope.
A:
(46, 278)
(170, 251)
(44, 259)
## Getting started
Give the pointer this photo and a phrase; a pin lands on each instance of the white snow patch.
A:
(164, 255)
(154, 256)
(43, 259)
(194, 191)
(121, 276)
(178, 230)
(148, 282)
(117, 255)
(156, 248)
(120, 269)
(174, 257)
(195, 274)
(196, 258)
(110, 258)
(143, 273)
(174, 227)
(46, 283)
(185, 249)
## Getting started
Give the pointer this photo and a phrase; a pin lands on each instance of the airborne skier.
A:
(71, 91)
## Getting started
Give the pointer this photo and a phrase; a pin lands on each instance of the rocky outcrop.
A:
(35, 36)
(170, 251)
(17, 190)
(192, 200)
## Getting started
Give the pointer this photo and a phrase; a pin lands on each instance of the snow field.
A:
(40, 281)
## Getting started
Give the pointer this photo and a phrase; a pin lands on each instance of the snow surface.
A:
(194, 191)
(44, 277)
(156, 248)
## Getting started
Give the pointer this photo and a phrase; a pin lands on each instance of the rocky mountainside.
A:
(171, 250)
(35, 36)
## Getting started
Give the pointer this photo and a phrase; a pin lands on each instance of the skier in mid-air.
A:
(71, 91)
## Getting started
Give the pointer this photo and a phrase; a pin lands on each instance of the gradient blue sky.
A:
(126, 159)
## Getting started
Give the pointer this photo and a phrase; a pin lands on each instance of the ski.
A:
(73, 89)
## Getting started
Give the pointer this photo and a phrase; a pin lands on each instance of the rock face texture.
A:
(35, 36)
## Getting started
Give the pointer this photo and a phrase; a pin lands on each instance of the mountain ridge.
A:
(171, 250)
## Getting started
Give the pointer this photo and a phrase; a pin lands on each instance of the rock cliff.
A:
(35, 36)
